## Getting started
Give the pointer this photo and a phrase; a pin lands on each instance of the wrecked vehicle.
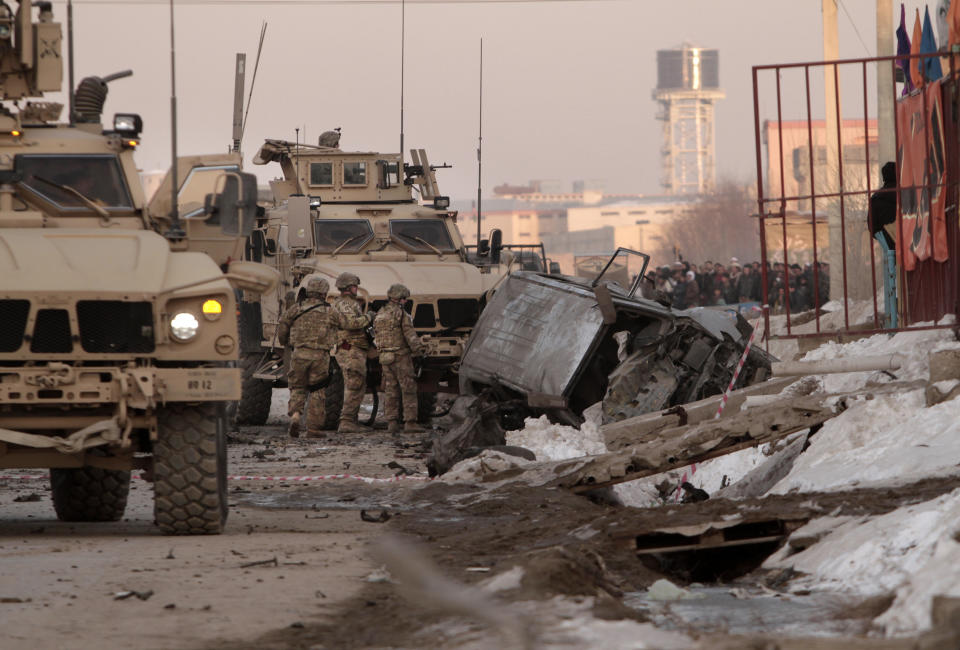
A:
(557, 345)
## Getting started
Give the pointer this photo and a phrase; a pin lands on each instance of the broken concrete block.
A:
(942, 391)
(944, 365)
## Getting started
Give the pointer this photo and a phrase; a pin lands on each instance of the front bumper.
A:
(58, 384)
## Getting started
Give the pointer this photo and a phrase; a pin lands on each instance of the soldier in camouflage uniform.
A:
(310, 329)
(352, 347)
(398, 344)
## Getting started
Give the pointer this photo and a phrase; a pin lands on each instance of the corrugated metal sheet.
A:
(533, 336)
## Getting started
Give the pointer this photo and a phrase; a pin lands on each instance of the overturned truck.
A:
(558, 345)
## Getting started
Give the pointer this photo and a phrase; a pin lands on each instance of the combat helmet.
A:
(346, 280)
(318, 287)
(398, 291)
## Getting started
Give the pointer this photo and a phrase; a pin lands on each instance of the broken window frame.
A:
(635, 285)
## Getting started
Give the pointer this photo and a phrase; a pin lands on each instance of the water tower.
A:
(688, 80)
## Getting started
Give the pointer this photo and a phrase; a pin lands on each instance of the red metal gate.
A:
(927, 292)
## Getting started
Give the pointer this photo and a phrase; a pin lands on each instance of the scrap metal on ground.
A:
(557, 345)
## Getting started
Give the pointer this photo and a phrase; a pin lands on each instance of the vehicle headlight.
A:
(212, 309)
(184, 326)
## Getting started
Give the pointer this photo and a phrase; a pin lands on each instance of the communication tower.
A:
(687, 91)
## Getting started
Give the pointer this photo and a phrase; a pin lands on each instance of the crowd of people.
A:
(686, 285)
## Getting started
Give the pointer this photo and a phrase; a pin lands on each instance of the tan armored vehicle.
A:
(118, 335)
(342, 211)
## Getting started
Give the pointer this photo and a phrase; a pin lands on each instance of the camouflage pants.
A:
(306, 369)
(399, 380)
(353, 364)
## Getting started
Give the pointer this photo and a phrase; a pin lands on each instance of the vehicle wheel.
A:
(255, 394)
(426, 405)
(333, 402)
(89, 493)
(190, 469)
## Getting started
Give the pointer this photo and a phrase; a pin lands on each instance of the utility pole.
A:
(885, 84)
(832, 113)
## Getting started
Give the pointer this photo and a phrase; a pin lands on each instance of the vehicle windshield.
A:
(96, 177)
(332, 233)
(420, 234)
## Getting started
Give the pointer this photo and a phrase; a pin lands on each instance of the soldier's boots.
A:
(294, 429)
(393, 427)
(348, 426)
(413, 427)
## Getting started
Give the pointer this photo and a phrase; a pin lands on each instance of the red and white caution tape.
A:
(723, 400)
(278, 479)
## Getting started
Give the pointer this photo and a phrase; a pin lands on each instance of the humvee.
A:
(385, 220)
(118, 333)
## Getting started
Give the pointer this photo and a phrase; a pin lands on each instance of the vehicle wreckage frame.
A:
(555, 346)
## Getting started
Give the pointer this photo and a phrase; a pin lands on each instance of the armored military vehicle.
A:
(118, 333)
(384, 220)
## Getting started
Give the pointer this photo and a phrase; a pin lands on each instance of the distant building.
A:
(796, 137)
(576, 224)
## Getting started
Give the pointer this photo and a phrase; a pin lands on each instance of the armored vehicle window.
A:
(354, 173)
(200, 182)
(96, 177)
(321, 173)
(352, 234)
(421, 234)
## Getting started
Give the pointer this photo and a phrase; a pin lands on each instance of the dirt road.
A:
(509, 567)
(60, 581)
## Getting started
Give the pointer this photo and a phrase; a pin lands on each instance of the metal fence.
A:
(832, 176)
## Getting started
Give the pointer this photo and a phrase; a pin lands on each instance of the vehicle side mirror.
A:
(236, 205)
(496, 245)
(252, 277)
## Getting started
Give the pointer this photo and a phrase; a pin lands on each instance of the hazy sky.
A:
(566, 84)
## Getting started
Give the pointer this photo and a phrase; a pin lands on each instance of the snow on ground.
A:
(278, 407)
(889, 439)
(557, 441)
(914, 347)
(911, 550)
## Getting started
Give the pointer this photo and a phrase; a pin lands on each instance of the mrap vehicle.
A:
(118, 333)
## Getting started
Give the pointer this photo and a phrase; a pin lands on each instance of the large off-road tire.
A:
(89, 493)
(333, 402)
(190, 469)
(255, 394)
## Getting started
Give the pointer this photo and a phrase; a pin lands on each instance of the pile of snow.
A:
(913, 347)
(912, 550)
(550, 441)
(889, 439)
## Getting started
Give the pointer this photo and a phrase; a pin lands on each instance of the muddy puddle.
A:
(736, 610)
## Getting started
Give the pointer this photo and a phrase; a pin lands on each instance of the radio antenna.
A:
(480, 148)
(176, 230)
(256, 66)
(403, 35)
(70, 57)
(238, 83)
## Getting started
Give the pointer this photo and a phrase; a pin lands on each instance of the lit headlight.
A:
(184, 326)
(212, 309)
